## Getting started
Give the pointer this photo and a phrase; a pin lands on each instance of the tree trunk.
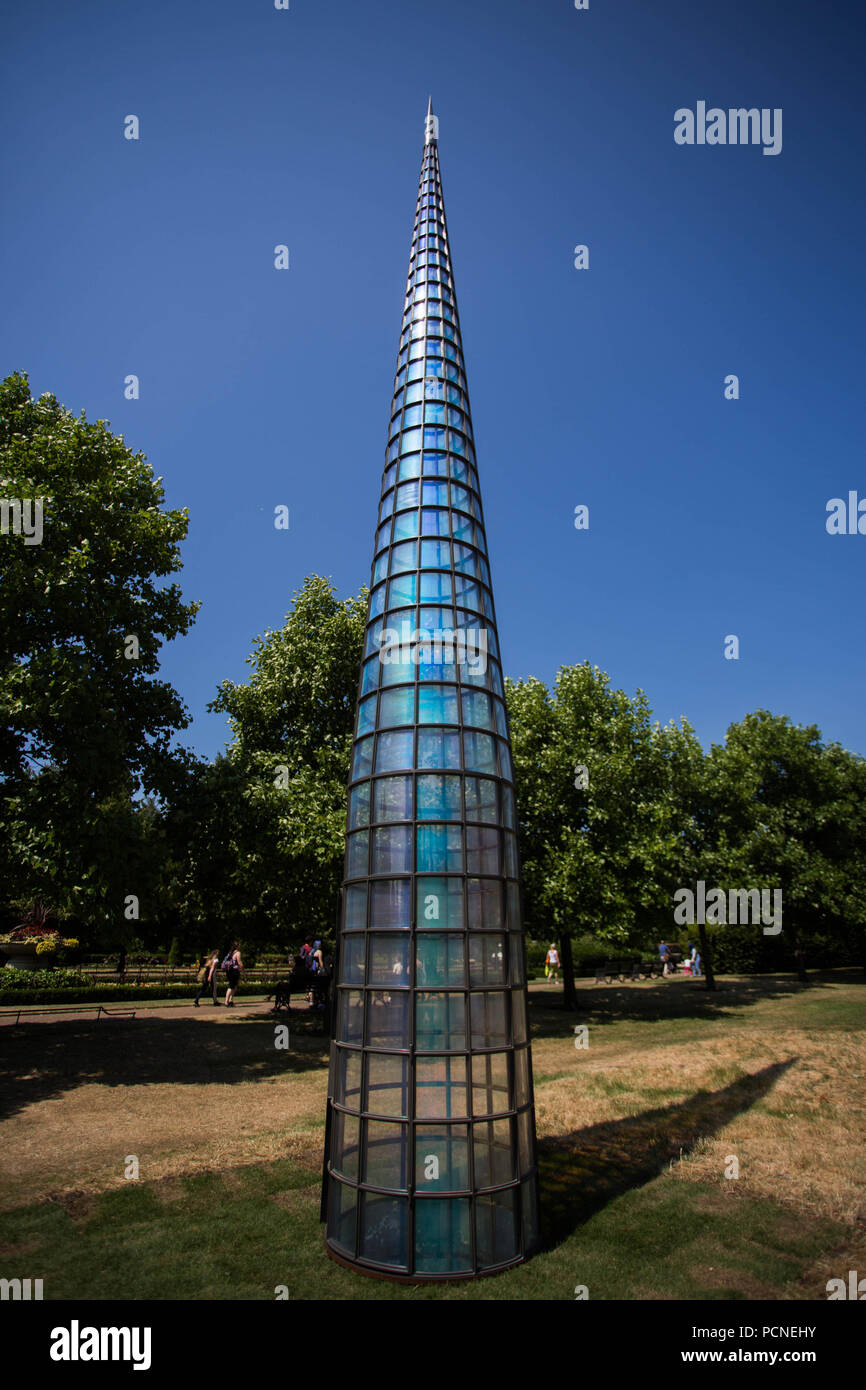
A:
(706, 962)
(569, 993)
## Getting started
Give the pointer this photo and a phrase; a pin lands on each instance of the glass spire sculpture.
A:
(430, 1161)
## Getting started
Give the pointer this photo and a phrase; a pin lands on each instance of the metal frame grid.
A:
(445, 767)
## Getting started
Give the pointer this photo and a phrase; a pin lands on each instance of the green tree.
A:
(784, 810)
(265, 825)
(86, 725)
(604, 798)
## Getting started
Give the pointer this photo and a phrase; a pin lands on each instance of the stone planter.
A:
(21, 955)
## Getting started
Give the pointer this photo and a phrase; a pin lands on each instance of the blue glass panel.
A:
(411, 441)
(438, 797)
(484, 903)
(460, 497)
(410, 467)
(359, 806)
(355, 914)
(434, 494)
(397, 707)
(457, 444)
(462, 529)
(459, 469)
(441, 1165)
(435, 586)
(392, 799)
(389, 477)
(440, 961)
(403, 590)
(465, 560)
(380, 569)
(481, 800)
(372, 639)
(439, 748)
(477, 709)
(362, 763)
(383, 535)
(405, 525)
(440, 903)
(388, 961)
(434, 522)
(356, 854)
(404, 557)
(439, 849)
(408, 495)
(433, 439)
(433, 619)
(391, 903)
(412, 416)
(394, 751)
(392, 850)
(440, 1022)
(370, 675)
(434, 413)
(367, 715)
(479, 753)
(437, 704)
(468, 593)
(435, 466)
(377, 601)
(413, 394)
(435, 555)
(397, 666)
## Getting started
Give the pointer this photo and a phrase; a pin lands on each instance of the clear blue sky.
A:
(604, 387)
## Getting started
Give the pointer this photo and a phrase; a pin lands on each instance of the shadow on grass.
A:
(47, 1059)
(579, 1173)
(676, 998)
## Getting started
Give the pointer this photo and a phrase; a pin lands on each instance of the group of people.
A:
(691, 960)
(310, 961)
(209, 975)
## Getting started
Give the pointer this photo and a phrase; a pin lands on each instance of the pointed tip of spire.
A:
(431, 125)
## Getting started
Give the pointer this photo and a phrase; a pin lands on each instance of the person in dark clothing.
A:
(210, 978)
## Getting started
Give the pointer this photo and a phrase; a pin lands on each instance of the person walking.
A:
(664, 957)
(208, 977)
(551, 964)
(232, 965)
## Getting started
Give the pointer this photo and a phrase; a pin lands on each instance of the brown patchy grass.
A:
(799, 1139)
(766, 1070)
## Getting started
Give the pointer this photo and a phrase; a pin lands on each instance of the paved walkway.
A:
(248, 1006)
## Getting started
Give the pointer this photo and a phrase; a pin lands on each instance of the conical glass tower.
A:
(430, 1163)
